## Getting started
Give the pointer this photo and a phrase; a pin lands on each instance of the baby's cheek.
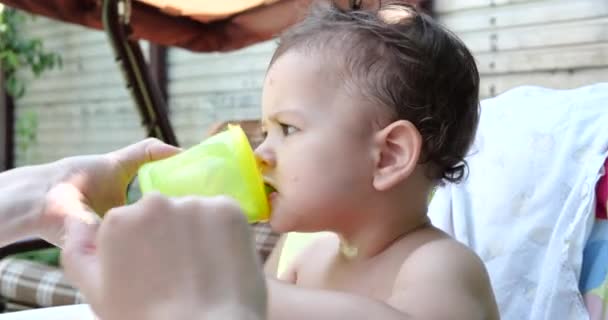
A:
(281, 222)
(294, 179)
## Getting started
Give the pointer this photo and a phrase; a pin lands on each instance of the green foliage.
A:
(45, 256)
(26, 129)
(18, 52)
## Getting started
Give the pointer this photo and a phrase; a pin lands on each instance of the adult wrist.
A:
(41, 181)
(22, 198)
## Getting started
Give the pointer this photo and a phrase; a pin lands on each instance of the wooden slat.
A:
(93, 135)
(52, 145)
(93, 142)
(551, 59)
(106, 122)
(532, 13)
(42, 154)
(446, 6)
(86, 81)
(110, 123)
(43, 26)
(220, 83)
(72, 40)
(493, 85)
(94, 51)
(200, 120)
(542, 36)
(76, 108)
(209, 101)
(183, 56)
(255, 62)
(117, 95)
(82, 68)
(107, 93)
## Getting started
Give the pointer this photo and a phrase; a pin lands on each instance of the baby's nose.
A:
(265, 157)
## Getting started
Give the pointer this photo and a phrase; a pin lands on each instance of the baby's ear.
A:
(398, 148)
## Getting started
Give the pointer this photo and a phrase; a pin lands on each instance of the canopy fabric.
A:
(196, 25)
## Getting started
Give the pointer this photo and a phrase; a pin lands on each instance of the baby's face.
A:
(318, 150)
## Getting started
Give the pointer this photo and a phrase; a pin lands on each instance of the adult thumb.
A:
(79, 256)
(134, 156)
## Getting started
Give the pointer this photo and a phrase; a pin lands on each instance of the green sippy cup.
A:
(223, 164)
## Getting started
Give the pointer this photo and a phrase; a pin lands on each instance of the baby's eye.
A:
(288, 130)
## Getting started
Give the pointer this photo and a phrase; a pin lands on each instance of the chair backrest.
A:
(527, 204)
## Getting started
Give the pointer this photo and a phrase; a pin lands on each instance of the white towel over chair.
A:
(527, 205)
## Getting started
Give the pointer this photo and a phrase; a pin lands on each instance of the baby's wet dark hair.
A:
(404, 61)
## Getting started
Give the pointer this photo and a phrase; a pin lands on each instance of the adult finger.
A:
(134, 156)
(79, 256)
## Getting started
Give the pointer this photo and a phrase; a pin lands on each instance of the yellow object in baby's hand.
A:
(223, 164)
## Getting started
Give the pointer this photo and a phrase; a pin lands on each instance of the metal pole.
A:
(158, 69)
(128, 55)
(7, 120)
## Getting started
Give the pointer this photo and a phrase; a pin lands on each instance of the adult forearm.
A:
(294, 303)
(22, 194)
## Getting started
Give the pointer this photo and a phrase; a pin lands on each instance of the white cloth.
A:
(73, 312)
(527, 205)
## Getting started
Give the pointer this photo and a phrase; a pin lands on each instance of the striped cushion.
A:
(32, 284)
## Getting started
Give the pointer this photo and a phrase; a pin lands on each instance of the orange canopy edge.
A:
(196, 25)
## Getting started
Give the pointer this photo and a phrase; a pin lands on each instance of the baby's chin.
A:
(283, 222)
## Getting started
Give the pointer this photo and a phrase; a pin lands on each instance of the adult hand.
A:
(160, 258)
(77, 188)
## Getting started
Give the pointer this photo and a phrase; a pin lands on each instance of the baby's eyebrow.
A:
(285, 113)
(263, 125)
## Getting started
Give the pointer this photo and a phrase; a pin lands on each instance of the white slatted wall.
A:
(554, 43)
(82, 107)
(213, 87)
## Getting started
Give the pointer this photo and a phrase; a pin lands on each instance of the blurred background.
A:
(83, 106)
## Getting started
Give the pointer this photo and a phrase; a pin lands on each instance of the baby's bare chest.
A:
(374, 279)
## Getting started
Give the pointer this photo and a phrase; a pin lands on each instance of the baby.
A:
(364, 113)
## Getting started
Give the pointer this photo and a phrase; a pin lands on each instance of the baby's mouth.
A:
(269, 188)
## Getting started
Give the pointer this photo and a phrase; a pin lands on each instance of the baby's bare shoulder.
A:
(441, 266)
(442, 253)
